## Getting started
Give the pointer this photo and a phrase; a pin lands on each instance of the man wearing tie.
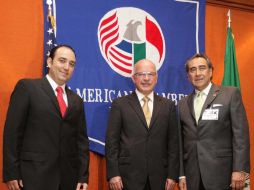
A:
(215, 150)
(142, 151)
(45, 140)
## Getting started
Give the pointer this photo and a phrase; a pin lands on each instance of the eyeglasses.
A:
(144, 74)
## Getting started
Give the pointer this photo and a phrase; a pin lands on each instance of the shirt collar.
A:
(206, 90)
(53, 83)
(141, 96)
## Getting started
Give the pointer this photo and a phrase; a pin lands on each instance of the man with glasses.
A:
(214, 133)
(142, 150)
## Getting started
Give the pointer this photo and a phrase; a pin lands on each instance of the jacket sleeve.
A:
(13, 131)
(173, 144)
(113, 141)
(240, 129)
(83, 147)
(181, 169)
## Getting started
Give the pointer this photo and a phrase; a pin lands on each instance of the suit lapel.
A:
(214, 91)
(70, 101)
(50, 92)
(135, 104)
(191, 104)
(211, 97)
(157, 104)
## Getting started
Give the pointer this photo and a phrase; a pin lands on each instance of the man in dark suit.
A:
(142, 150)
(214, 131)
(45, 140)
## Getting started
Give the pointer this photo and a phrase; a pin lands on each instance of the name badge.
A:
(210, 114)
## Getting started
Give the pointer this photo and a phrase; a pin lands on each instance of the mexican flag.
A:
(231, 76)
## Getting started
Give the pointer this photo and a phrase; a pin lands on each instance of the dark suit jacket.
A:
(214, 148)
(135, 152)
(40, 147)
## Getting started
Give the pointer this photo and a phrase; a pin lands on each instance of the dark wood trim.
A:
(245, 5)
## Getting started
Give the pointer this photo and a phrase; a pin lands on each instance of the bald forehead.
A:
(144, 63)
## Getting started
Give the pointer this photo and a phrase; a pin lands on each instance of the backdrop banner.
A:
(111, 36)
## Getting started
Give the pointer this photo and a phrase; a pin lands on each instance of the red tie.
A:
(60, 100)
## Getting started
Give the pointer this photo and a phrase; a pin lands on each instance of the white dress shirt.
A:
(141, 101)
(54, 86)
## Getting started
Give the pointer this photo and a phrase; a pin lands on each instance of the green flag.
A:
(231, 76)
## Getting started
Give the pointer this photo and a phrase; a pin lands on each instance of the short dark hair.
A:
(53, 50)
(202, 55)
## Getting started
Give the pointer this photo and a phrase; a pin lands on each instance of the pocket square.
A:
(216, 105)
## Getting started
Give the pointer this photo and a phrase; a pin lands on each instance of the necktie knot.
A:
(145, 99)
(200, 94)
(59, 90)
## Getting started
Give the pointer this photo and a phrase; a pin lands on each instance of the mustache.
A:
(199, 78)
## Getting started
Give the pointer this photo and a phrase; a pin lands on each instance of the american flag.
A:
(49, 37)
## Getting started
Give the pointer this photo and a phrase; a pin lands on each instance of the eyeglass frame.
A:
(144, 74)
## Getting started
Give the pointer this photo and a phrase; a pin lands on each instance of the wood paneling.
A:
(243, 30)
(247, 5)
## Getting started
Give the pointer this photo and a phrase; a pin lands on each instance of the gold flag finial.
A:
(229, 18)
(51, 18)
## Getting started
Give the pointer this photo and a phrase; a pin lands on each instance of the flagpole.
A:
(50, 37)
